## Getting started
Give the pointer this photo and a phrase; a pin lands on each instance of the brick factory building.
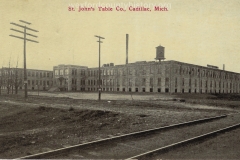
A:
(67, 77)
(36, 79)
(161, 76)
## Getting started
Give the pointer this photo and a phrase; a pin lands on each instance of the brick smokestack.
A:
(126, 48)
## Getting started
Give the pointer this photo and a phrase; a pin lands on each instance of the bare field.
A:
(55, 120)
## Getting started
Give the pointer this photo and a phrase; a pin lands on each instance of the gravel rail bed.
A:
(140, 144)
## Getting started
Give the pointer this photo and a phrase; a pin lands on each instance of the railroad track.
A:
(145, 143)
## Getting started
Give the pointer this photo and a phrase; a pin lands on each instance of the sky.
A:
(199, 32)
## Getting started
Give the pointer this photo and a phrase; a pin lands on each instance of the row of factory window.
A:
(39, 74)
(185, 82)
(7, 72)
(124, 89)
(122, 71)
(117, 82)
(142, 71)
(207, 83)
(29, 73)
(206, 73)
(62, 72)
(39, 82)
(166, 90)
(205, 91)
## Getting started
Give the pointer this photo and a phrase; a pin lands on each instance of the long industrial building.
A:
(155, 76)
(36, 79)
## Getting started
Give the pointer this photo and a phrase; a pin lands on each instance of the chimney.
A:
(126, 48)
(223, 66)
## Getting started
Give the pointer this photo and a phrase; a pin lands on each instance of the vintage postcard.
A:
(125, 79)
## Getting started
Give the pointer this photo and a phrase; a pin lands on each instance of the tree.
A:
(17, 80)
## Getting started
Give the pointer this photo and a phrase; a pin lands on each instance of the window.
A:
(124, 72)
(192, 71)
(136, 72)
(151, 81)
(117, 82)
(167, 79)
(115, 72)
(143, 81)
(66, 72)
(61, 72)
(144, 71)
(129, 82)
(166, 90)
(159, 70)
(159, 81)
(152, 69)
(123, 81)
(130, 71)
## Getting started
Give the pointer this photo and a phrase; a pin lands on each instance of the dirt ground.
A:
(47, 122)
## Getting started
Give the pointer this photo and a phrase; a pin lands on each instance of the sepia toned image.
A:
(142, 79)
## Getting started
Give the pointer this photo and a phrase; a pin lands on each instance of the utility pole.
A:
(24, 46)
(99, 71)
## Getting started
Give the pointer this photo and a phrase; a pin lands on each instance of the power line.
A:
(99, 72)
(24, 46)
